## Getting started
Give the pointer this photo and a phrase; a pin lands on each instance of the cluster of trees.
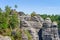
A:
(6, 20)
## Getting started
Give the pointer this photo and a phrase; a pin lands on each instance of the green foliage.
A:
(28, 35)
(53, 18)
(8, 22)
(44, 16)
(6, 32)
(4, 17)
(33, 14)
(12, 38)
(14, 20)
(19, 35)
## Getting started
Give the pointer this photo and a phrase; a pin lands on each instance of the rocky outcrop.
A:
(39, 28)
(50, 30)
(32, 24)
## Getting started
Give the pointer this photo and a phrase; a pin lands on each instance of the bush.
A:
(28, 35)
(14, 20)
(33, 14)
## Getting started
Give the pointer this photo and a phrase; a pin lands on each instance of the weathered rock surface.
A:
(4, 37)
(50, 30)
(24, 36)
(35, 24)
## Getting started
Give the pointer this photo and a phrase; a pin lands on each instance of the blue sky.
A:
(39, 6)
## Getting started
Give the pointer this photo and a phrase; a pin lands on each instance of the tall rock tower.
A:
(54, 31)
(50, 30)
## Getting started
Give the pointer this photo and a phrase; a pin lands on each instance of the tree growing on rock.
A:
(14, 20)
(33, 14)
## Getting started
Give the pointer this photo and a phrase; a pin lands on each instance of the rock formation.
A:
(50, 30)
(35, 24)
(32, 24)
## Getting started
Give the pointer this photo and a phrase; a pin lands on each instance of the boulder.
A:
(21, 13)
(7, 38)
(4, 37)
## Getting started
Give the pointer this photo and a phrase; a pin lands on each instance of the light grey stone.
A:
(4, 37)
(35, 23)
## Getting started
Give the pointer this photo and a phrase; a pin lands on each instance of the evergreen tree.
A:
(14, 20)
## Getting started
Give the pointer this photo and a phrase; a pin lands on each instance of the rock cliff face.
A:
(32, 24)
(39, 28)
